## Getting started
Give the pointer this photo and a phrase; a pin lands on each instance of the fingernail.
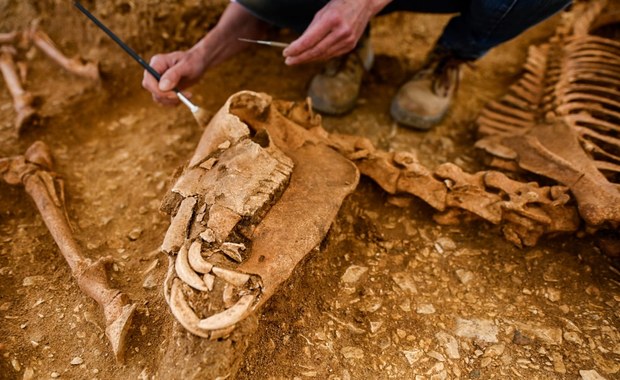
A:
(165, 85)
(288, 61)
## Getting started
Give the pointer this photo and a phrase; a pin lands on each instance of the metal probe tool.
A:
(192, 107)
(263, 42)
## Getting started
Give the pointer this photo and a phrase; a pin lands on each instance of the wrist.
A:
(377, 5)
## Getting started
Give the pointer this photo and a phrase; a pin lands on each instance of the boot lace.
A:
(444, 69)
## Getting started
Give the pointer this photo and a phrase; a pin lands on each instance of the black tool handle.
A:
(113, 36)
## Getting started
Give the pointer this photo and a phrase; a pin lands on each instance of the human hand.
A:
(334, 30)
(179, 69)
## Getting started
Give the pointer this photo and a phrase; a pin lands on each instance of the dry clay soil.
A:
(389, 294)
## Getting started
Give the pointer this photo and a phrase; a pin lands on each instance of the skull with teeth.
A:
(251, 203)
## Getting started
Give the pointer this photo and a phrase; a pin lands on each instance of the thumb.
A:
(169, 80)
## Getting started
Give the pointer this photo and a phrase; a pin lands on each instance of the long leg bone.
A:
(73, 65)
(22, 99)
(33, 171)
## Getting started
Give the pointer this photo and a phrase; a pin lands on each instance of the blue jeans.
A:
(478, 26)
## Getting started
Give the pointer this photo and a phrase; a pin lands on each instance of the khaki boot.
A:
(335, 90)
(422, 102)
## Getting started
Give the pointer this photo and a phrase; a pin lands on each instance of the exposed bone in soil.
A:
(33, 170)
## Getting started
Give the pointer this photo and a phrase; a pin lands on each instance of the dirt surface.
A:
(388, 295)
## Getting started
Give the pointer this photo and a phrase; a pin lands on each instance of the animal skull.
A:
(259, 193)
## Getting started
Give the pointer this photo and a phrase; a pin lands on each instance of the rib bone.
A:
(33, 170)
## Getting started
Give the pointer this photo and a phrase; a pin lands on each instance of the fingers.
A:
(328, 35)
(164, 64)
(336, 43)
(317, 31)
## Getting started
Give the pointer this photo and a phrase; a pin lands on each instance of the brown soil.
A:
(553, 309)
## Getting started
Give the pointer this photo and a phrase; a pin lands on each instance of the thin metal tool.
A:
(268, 43)
(192, 107)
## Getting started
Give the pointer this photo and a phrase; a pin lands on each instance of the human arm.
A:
(334, 30)
(182, 69)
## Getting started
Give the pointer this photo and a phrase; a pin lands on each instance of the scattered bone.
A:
(22, 100)
(208, 235)
(43, 186)
(73, 65)
(196, 261)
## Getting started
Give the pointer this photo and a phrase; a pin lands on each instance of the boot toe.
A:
(416, 106)
(331, 96)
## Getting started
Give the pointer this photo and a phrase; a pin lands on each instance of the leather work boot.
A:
(335, 90)
(422, 102)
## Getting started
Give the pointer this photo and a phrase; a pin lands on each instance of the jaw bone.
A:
(33, 170)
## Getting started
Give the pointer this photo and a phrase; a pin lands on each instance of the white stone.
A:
(495, 350)
(353, 274)
(449, 343)
(481, 329)
(464, 276)
(77, 361)
(549, 335)
(426, 308)
(405, 282)
(590, 374)
(413, 356)
(446, 243)
(352, 352)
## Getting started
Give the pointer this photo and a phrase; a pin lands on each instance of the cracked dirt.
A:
(389, 294)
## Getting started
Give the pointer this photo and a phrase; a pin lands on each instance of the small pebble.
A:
(135, 234)
(77, 361)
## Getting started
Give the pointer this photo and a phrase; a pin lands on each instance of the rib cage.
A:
(574, 80)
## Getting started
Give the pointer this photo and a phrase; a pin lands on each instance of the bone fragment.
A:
(208, 235)
(196, 261)
(73, 65)
(41, 184)
(22, 99)
(232, 250)
(185, 271)
(229, 316)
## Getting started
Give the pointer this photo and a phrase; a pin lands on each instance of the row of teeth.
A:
(191, 268)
